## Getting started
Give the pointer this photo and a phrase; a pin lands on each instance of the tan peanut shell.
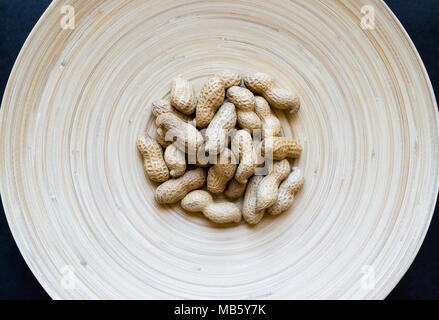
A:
(287, 190)
(183, 97)
(261, 83)
(271, 126)
(258, 82)
(163, 106)
(221, 172)
(188, 138)
(216, 137)
(279, 148)
(230, 78)
(242, 147)
(267, 193)
(200, 164)
(175, 160)
(218, 212)
(160, 136)
(249, 212)
(174, 190)
(235, 189)
(210, 99)
(244, 101)
(153, 162)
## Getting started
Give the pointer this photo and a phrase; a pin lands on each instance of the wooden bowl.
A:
(83, 213)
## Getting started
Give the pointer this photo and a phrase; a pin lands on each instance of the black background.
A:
(419, 17)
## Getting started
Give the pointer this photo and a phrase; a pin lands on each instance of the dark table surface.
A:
(421, 20)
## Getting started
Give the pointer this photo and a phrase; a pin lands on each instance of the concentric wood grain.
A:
(72, 182)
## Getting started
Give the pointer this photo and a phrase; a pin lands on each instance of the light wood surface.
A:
(72, 182)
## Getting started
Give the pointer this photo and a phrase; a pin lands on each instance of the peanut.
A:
(261, 83)
(218, 130)
(221, 172)
(153, 162)
(267, 193)
(183, 96)
(279, 148)
(174, 190)
(209, 100)
(235, 189)
(270, 124)
(188, 138)
(175, 160)
(230, 78)
(202, 164)
(287, 190)
(242, 147)
(244, 101)
(160, 136)
(163, 106)
(249, 212)
(220, 212)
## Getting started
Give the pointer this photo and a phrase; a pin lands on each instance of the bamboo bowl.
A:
(83, 213)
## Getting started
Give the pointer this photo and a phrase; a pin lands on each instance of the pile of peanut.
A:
(209, 146)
